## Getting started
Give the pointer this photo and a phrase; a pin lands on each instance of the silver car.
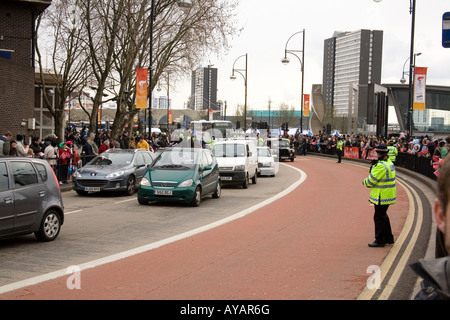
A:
(113, 170)
(30, 199)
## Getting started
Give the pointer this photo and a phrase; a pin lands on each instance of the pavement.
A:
(311, 244)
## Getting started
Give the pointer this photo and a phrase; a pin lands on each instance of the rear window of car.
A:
(4, 182)
(42, 171)
(23, 173)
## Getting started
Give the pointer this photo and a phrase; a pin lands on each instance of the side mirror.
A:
(206, 168)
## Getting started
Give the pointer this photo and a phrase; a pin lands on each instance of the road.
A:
(309, 244)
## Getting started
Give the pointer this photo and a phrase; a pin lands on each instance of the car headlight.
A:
(145, 182)
(186, 183)
(77, 174)
(239, 168)
(115, 174)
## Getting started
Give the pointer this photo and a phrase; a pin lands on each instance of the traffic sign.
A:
(446, 30)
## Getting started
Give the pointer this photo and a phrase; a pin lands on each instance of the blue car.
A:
(181, 175)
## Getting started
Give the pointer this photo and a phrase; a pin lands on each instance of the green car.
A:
(181, 175)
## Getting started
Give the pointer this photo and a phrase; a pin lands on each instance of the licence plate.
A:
(226, 178)
(91, 188)
(163, 192)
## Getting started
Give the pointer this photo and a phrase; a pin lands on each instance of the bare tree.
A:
(68, 65)
(114, 37)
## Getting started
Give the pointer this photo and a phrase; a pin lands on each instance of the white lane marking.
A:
(74, 211)
(154, 245)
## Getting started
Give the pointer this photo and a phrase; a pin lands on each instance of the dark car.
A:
(181, 175)
(283, 147)
(113, 170)
(30, 199)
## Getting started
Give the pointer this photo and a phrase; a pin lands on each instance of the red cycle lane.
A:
(309, 245)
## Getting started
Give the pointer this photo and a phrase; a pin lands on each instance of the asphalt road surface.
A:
(300, 235)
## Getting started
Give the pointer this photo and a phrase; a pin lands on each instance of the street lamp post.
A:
(412, 11)
(233, 77)
(286, 61)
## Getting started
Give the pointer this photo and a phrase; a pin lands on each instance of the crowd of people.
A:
(79, 146)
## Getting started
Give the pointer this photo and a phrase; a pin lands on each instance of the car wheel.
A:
(218, 191)
(81, 192)
(246, 182)
(131, 185)
(50, 226)
(197, 197)
(254, 178)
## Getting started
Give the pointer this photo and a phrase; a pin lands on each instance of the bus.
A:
(217, 128)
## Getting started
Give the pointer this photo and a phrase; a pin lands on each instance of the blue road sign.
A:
(446, 30)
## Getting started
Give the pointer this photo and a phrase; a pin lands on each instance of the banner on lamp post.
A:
(420, 82)
(170, 116)
(141, 88)
(211, 114)
(306, 105)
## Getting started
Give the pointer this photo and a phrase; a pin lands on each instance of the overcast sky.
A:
(269, 24)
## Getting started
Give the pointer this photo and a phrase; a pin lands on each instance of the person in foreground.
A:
(383, 193)
(436, 272)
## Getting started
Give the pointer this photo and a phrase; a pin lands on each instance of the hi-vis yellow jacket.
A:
(381, 182)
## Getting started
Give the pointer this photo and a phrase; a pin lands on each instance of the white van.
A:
(238, 161)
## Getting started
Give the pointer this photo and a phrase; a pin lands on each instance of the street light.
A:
(403, 80)
(286, 61)
(184, 5)
(233, 77)
(412, 11)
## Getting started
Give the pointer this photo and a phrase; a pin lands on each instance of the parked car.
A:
(267, 166)
(282, 147)
(238, 161)
(30, 199)
(113, 170)
(181, 175)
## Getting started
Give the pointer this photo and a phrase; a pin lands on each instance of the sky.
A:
(269, 24)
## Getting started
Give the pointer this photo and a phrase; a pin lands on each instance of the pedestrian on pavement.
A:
(383, 193)
(339, 149)
(20, 148)
(93, 144)
(142, 144)
(5, 143)
(436, 272)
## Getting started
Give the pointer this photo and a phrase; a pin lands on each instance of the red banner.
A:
(351, 152)
(306, 105)
(420, 82)
(141, 88)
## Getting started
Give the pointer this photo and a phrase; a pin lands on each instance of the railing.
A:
(413, 162)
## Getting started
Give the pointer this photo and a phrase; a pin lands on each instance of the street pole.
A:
(412, 10)
(152, 18)
(286, 61)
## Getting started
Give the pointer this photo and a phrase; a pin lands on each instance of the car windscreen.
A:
(229, 150)
(178, 159)
(263, 152)
(112, 159)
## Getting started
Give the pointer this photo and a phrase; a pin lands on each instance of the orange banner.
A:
(420, 82)
(306, 105)
(170, 116)
(141, 88)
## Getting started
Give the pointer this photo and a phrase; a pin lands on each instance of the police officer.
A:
(339, 149)
(393, 151)
(381, 182)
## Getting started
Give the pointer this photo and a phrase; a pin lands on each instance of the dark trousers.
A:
(383, 232)
(339, 154)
